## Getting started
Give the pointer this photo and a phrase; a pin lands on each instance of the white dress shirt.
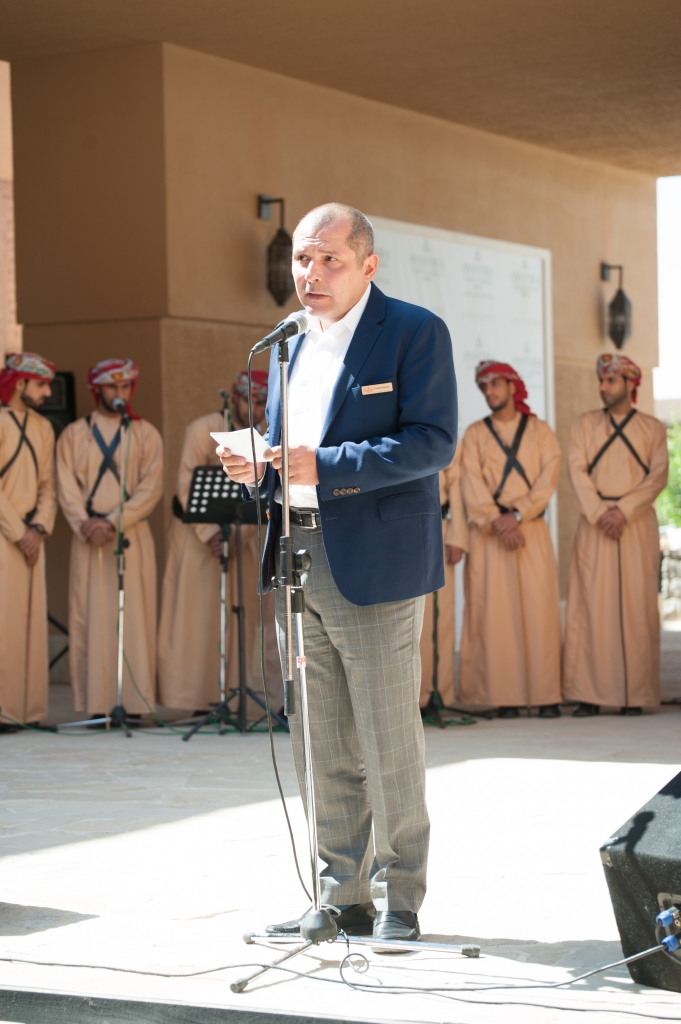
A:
(311, 385)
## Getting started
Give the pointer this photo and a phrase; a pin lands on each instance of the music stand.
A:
(214, 498)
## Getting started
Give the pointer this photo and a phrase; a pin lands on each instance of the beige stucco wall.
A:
(137, 176)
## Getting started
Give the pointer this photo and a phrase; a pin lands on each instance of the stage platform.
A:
(150, 854)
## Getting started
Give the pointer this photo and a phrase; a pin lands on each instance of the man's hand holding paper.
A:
(236, 454)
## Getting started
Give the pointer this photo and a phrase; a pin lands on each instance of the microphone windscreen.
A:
(300, 320)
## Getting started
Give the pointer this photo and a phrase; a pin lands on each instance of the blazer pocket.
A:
(411, 503)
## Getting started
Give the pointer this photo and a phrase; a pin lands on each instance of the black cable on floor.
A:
(456, 994)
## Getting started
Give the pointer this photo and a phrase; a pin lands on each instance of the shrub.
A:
(669, 501)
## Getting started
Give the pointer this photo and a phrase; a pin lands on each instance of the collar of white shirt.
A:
(347, 324)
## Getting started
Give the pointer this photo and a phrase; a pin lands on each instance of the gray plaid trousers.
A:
(363, 678)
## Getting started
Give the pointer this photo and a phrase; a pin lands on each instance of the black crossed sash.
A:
(23, 439)
(107, 464)
(511, 457)
(618, 431)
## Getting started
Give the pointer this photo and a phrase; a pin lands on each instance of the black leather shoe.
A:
(508, 713)
(356, 920)
(631, 711)
(396, 924)
(584, 710)
(549, 711)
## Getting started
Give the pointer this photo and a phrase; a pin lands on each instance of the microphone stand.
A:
(118, 715)
(317, 925)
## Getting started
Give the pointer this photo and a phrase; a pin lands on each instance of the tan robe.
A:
(612, 637)
(510, 647)
(93, 586)
(23, 602)
(189, 630)
(455, 532)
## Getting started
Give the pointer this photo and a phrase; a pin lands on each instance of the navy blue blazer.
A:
(380, 455)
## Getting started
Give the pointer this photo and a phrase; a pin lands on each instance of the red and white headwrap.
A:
(23, 366)
(611, 362)
(113, 371)
(259, 378)
(488, 370)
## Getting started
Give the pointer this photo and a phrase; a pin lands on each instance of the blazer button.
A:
(344, 490)
(356, 490)
(336, 492)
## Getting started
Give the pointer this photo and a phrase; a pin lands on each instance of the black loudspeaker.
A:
(642, 864)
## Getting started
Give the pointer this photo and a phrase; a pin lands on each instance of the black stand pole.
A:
(118, 715)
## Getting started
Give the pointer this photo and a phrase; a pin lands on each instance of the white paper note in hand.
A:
(239, 443)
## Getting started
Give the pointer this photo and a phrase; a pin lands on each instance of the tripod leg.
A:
(197, 725)
(240, 985)
(275, 715)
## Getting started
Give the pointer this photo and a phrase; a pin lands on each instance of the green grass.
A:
(669, 501)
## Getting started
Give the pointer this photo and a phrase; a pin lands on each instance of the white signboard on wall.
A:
(494, 296)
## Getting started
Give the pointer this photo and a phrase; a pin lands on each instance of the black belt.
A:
(608, 497)
(307, 518)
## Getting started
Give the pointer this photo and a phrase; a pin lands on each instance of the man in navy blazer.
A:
(372, 415)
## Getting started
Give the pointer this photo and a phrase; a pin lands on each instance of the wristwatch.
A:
(518, 515)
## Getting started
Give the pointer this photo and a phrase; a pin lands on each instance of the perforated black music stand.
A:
(215, 499)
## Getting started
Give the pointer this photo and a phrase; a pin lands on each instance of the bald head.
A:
(360, 234)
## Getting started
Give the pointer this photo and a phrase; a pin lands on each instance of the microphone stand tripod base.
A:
(318, 926)
(220, 714)
(119, 719)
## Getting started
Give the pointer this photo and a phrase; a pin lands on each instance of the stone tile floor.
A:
(156, 855)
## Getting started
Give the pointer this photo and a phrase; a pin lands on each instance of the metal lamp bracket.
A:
(607, 267)
(265, 204)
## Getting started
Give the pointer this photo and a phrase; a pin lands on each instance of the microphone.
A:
(120, 406)
(294, 324)
(223, 393)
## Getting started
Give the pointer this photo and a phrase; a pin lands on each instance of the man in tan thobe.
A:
(28, 506)
(618, 466)
(510, 647)
(89, 467)
(455, 538)
(189, 630)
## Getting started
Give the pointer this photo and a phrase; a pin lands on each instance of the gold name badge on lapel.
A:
(376, 389)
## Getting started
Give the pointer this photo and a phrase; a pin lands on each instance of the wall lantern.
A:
(279, 252)
(619, 310)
